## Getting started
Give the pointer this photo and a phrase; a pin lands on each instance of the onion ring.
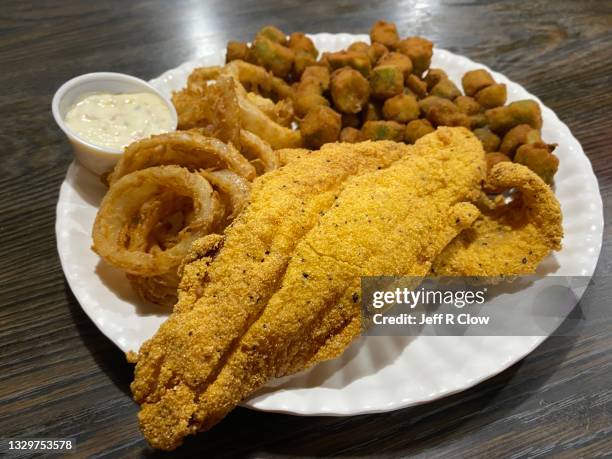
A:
(263, 103)
(253, 119)
(154, 215)
(257, 79)
(253, 147)
(214, 108)
(221, 111)
(284, 114)
(122, 203)
(198, 79)
(236, 188)
(190, 149)
(149, 216)
(280, 112)
(160, 290)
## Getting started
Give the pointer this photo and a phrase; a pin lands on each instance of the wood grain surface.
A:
(60, 377)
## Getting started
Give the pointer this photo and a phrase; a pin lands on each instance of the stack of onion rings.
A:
(164, 193)
(256, 102)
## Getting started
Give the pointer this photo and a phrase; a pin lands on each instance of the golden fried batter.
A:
(340, 325)
(508, 239)
(296, 253)
(233, 290)
(286, 155)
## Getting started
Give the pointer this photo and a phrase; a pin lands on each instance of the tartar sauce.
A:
(116, 120)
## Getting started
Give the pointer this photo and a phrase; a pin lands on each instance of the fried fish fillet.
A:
(281, 290)
(285, 204)
(234, 284)
(507, 239)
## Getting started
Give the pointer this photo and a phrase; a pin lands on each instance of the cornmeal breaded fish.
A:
(281, 290)
(285, 205)
(507, 239)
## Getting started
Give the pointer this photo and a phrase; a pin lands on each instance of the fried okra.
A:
(467, 105)
(273, 56)
(305, 102)
(304, 50)
(274, 34)
(385, 33)
(317, 75)
(416, 129)
(445, 88)
(401, 108)
(350, 91)
(354, 59)
(430, 102)
(478, 120)
(387, 90)
(321, 125)
(502, 119)
(416, 86)
(376, 52)
(492, 96)
(350, 135)
(371, 112)
(236, 50)
(299, 42)
(386, 81)
(383, 130)
(445, 116)
(434, 76)
(360, 47)
(419, 50)
(309, 91)
(517, 136)
(442, 112)
(539, 158)
(490, 141)
(400, 60)
(301, 63)
(474, 80)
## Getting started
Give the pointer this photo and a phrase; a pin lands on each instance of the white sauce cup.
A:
(96, 158)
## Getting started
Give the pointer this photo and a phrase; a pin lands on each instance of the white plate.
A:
(376, 373)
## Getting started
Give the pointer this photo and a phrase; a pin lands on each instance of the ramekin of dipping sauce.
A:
(103, 112)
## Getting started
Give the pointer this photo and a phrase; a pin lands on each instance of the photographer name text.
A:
(433, 319)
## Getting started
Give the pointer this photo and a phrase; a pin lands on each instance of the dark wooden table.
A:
(60, 377)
